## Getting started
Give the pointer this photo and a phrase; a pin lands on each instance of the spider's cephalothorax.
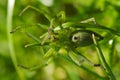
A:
(62, 38)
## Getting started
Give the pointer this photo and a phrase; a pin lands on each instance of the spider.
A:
(69, 35)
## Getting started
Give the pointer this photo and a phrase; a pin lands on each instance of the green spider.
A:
(68, 36)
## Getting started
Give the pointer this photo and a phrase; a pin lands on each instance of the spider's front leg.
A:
(58, 19)
(50, 34)
(44, 12)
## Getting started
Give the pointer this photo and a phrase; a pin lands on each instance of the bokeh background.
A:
(106, 12)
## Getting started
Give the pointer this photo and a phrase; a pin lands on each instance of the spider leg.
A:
(89, 20)
(26, 8)
(49, 33)
(36, 9)
(85, 59)
(33, 67)
(48, 58)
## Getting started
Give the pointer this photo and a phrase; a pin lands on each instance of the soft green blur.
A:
(106, 12)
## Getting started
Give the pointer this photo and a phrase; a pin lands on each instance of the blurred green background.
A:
(106, 12)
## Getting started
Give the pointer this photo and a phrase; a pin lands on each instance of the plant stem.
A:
(10, 40)
(102, 59)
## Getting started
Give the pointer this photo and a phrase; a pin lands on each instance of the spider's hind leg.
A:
(89, 20)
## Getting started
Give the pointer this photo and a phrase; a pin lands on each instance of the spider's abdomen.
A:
(84, 37)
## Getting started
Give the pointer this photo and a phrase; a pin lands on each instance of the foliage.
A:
(54, 61)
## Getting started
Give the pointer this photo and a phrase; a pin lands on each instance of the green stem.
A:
(10, 40)
(102, 59)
